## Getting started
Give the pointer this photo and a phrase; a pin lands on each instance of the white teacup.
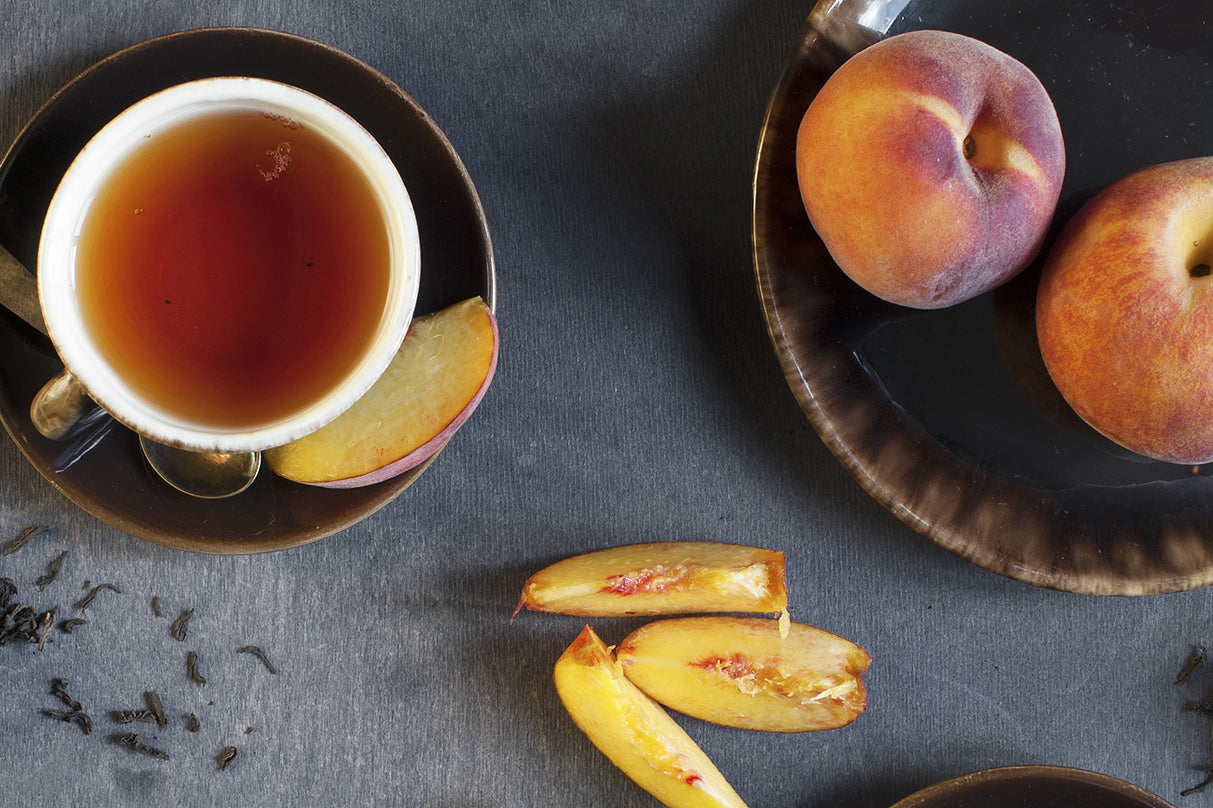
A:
(209, 299)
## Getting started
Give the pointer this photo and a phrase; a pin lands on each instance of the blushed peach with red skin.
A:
(1124, 311)
(930, 165)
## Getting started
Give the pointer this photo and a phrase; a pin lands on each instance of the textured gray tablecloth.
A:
(637, 398)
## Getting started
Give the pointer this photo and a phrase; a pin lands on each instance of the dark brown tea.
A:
(234, 268)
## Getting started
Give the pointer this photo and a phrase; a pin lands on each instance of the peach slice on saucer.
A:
(740, 672)
(661, 578)
(634, 732)
(439, 375)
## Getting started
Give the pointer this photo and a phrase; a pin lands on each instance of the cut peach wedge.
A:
(661, 578)
(739, 671)
(634, 732)
(439, 375)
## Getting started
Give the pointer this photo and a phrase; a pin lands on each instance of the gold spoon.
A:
(209, 475)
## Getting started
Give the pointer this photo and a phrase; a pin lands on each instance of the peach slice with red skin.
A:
(430, 388)
(634, 732)
(661, 578)
(739, 671)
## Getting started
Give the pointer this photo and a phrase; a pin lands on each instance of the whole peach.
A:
(930, 165)
(1124, 311)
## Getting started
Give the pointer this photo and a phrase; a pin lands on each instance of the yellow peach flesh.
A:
(740, 672)
(432, 385)
(634, 732)
(661, 578)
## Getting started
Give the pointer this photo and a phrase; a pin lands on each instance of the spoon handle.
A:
(61, 402)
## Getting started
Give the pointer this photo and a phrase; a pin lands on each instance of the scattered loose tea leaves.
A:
(1202, 705)
(52, 571)
(75, 713)
(1199, 786)
(59, 691)
(131, 716)
(181, 625)
(191, 668)
(77, 717)
(1196, 660)
(157, 707)
(48, 620)
(21, 621)
(257, 652)
(85, 601)
(225, 757)
(13, 545)
(131, 741)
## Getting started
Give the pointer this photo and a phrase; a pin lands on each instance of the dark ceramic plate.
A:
(948, 417)
(111, 479)
(1036, 786)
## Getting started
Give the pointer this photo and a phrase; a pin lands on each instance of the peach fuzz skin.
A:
(1124, 312)
(930, 165)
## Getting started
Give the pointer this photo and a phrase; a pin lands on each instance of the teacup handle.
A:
(59, 406)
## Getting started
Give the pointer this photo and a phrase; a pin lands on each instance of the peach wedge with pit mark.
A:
(661, 578)
(430, 388)
(739, 672)
(634, 732)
